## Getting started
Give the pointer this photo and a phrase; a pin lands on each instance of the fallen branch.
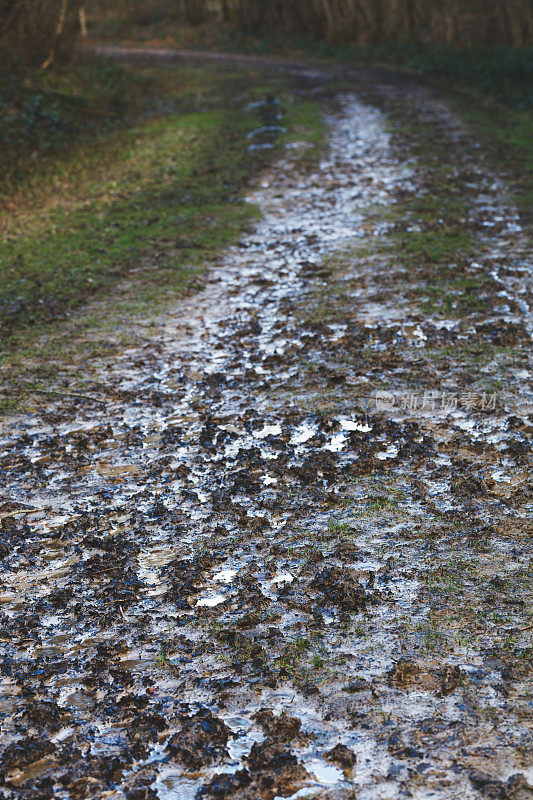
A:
(17, 502)
(15, 513)
(61, 393)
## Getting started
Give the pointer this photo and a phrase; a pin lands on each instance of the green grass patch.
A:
(441, 204)
(172, 196)
(438, 247)
(455, 297)
(502, 72)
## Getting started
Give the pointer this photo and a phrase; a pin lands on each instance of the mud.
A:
(243, 574)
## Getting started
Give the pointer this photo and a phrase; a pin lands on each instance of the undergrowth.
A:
(44, 112)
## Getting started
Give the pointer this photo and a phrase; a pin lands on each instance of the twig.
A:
(15, 513)
(88, 397)
(102, 572)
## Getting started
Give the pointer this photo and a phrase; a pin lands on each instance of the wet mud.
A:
(242, 573)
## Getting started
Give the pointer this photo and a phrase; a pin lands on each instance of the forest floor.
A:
(276, 543)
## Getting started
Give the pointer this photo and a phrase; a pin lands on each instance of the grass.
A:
(501, 72)
(171, 188)
(124, 220)
(439, 256)
(431, 268)
(431, 247)
(506, 133)
(44, 112)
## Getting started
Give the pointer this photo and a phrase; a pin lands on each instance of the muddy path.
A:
(283, 551)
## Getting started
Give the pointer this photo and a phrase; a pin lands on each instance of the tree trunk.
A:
(57, 33)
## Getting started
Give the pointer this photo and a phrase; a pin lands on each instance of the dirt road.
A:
(284, 551)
